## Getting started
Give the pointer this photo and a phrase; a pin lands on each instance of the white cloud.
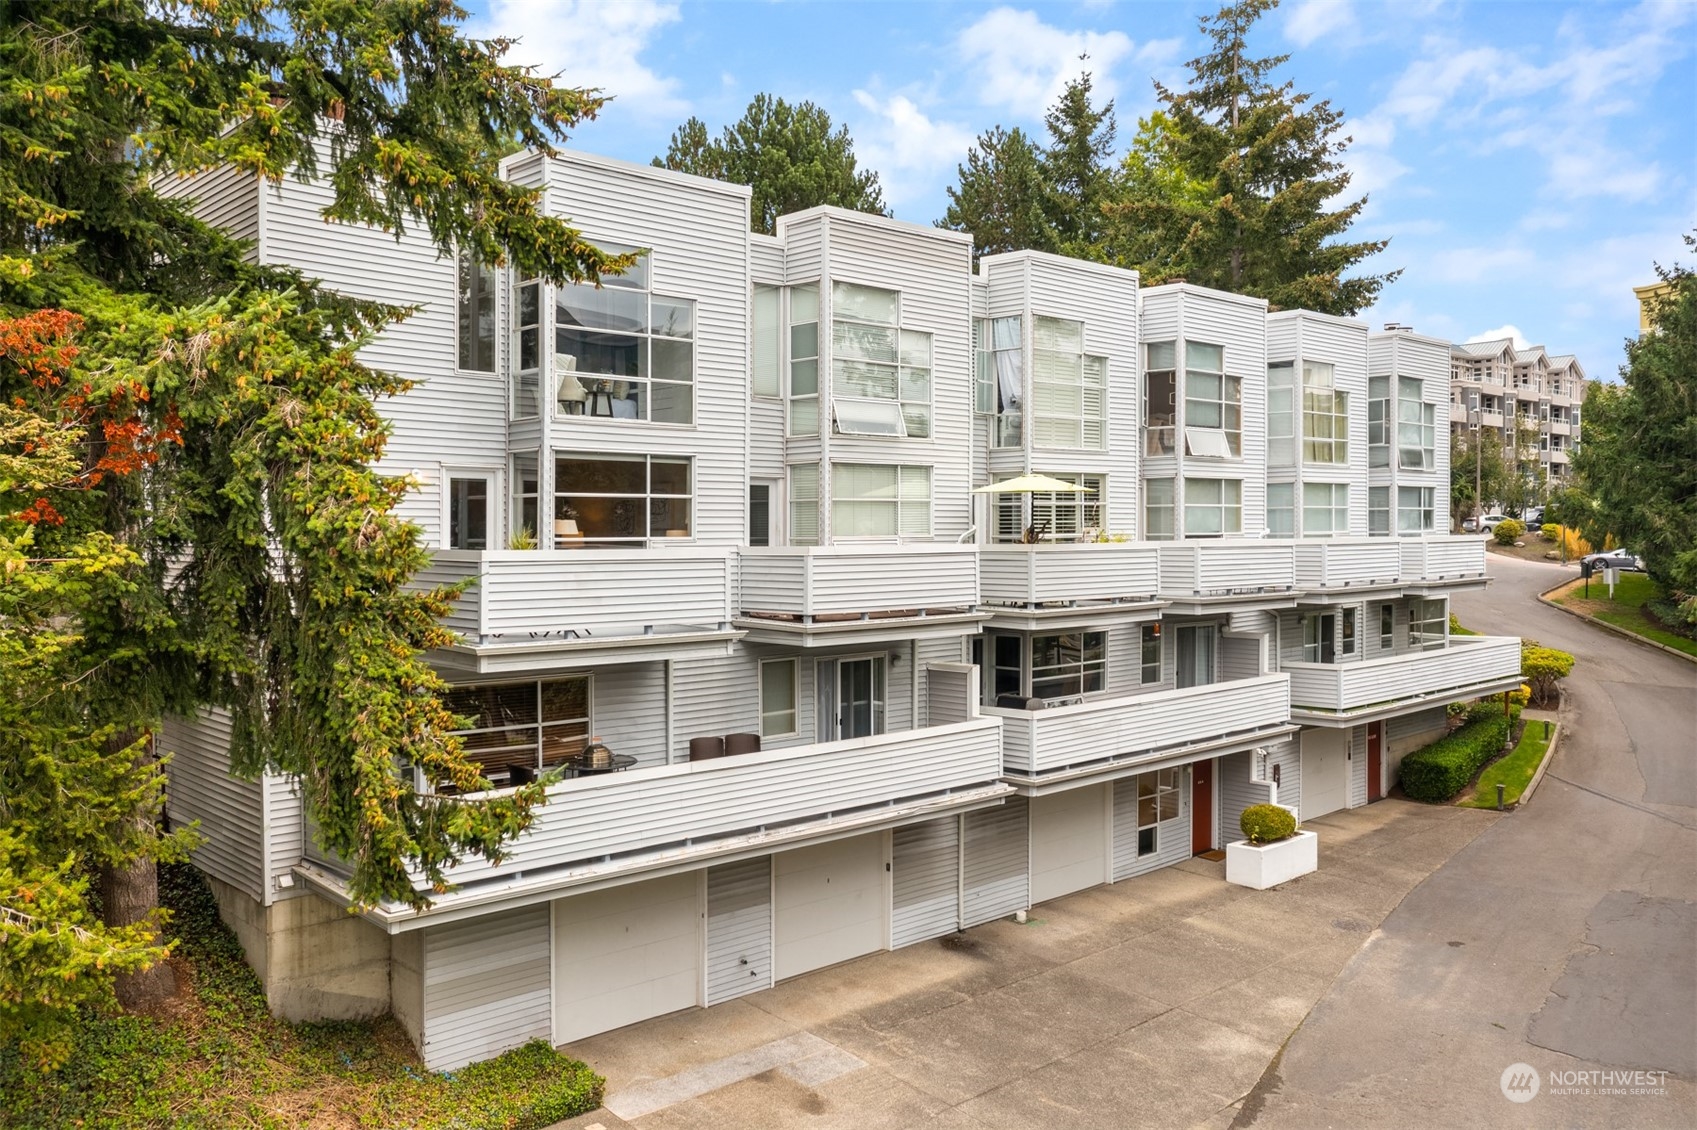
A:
(1024, 64)
(590, 44)
(1503, 331)
(909, 150)
(1313, 19)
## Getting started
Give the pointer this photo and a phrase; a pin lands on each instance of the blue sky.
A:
(1528, 161)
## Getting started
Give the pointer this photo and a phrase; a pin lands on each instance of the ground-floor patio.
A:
(1158, 1000)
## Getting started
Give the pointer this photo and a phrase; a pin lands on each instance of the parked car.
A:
(1533, 517)
(1613, 559)
(1483, 525)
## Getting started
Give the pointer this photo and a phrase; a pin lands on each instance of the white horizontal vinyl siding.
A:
(739, 929)
(1237, 792)
(996, 862)
(1172, 837)
(486, 986)
(285, 828)
(229, 810)
(224, 197)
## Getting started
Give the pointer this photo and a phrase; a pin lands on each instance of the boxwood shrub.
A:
(1444, 768)
(1267, 823)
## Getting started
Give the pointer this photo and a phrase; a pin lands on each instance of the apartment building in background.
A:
(1530, 393)
(815, 692)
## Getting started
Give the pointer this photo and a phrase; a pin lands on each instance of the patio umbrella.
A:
(1032, 484)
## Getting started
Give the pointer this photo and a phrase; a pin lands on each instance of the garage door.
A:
(739, 928)
(828, 904)
(925, 883)
(1069, 842)
(626, 954)
(1325, 772)
(996, 870)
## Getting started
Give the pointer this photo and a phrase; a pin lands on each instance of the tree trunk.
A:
(128, 894)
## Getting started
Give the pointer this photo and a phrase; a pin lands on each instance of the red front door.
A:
(1375, 748)
(1201, 807)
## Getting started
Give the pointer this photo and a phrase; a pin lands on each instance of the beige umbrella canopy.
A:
(1032, 484)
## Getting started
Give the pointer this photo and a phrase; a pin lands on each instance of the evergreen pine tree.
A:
(1077, 171)
(1000, 195)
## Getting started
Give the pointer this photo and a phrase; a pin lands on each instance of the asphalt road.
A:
(1563, 938)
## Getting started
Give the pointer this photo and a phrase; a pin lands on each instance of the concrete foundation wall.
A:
(406, 983)
(317, 961)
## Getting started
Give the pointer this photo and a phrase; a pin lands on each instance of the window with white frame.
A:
(1213, 403)
(1281, 510)
(1281, 414)
(1416, 428)
(1414, 509)
(1428, 623)
(877, 500)
(1007, 655)
(1160, 404)
(1325, 416)
(1150, 655)
(874, 360)
(623, 353)
(604, 499)
(517, 730)
(1158, 512)
(527, 351)
(804, 504)
(1319, 643)
(1212, 507)
(1157, 803)
(1068, 664)
(1346, 632)
(476, 321)
(766, 338)
(778, 714)
(1379, 512)
(526, 498)
(1379, 421)
(1001, 379)
(804, 360)
(1053, 515)
(1069, 390)
(1387, 627)
(468, 511)
(1325, 509)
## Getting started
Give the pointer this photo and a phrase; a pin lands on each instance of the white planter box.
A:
(1267, 865)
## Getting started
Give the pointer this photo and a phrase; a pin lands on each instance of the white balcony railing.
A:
(1226, 568)
(847, 580)
(590, 818)
(1349, 563)
(1037, 741)
(1092, 572)
(1441, 558)
(1468, 662)
(589, 592)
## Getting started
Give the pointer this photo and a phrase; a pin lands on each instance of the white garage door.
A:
(626, 954)
(1069, 842)
(1325, 772)
(828, 904)
(924, 881)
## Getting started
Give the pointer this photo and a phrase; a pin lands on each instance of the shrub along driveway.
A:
(1157, 1001)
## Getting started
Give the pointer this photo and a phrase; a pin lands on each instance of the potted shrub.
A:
(1273, 850)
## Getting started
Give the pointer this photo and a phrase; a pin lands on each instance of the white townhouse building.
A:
(812, 695)
(1496, 387)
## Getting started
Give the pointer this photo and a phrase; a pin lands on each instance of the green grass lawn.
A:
(1626, 610)
(215, 1057)
(1514, 771)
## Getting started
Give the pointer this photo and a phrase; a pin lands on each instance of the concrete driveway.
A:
(1158, 1001)
(1563, 938)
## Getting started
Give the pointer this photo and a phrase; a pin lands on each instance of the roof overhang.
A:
(871, 629)
(1231, 602)
(1326, 598)
(1062, 617)
(1440, 585)
(512, 656)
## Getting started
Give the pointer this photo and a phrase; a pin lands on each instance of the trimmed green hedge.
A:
(1444, 768)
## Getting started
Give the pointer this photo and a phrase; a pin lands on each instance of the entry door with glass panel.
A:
(469, 511)
(851, 698)
(1196, 655)
(1319, 634)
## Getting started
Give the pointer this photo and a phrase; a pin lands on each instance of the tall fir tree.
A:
(793, 157)
(1077, 169)
(1270, 160)
(1000, 195)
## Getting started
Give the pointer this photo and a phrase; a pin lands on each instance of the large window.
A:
(1428, 623)
(1281, 414)
(1281, 510)
(527, 342)
(1212, 507)
(1414, 509)
(766, 336)
(468, 512)
(874, 500)
(623, 353)
(804, 504)
(476, 308)
(1379, 422)
(778, 716)
(516, 730)
(1325, 509)
(1213, 403)
(1319, 638)
(1149, 668)
(620, 499)
(1158, 510)
(1007, 672)
(1001, 379)
(1379, 511)
(1325, 416)
(526, 497)
(1157, 803)
(1160, 409)
(1416, 427)
(1053, 515)
(1387, 627)
(1069, 390)
(1346, 631)
(1072, 663)
(880, 373)
(804, 360)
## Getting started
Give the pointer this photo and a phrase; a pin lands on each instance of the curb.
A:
(1549, 756)
(1544, 597)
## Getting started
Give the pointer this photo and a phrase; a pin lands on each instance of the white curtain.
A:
(1010, 375)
